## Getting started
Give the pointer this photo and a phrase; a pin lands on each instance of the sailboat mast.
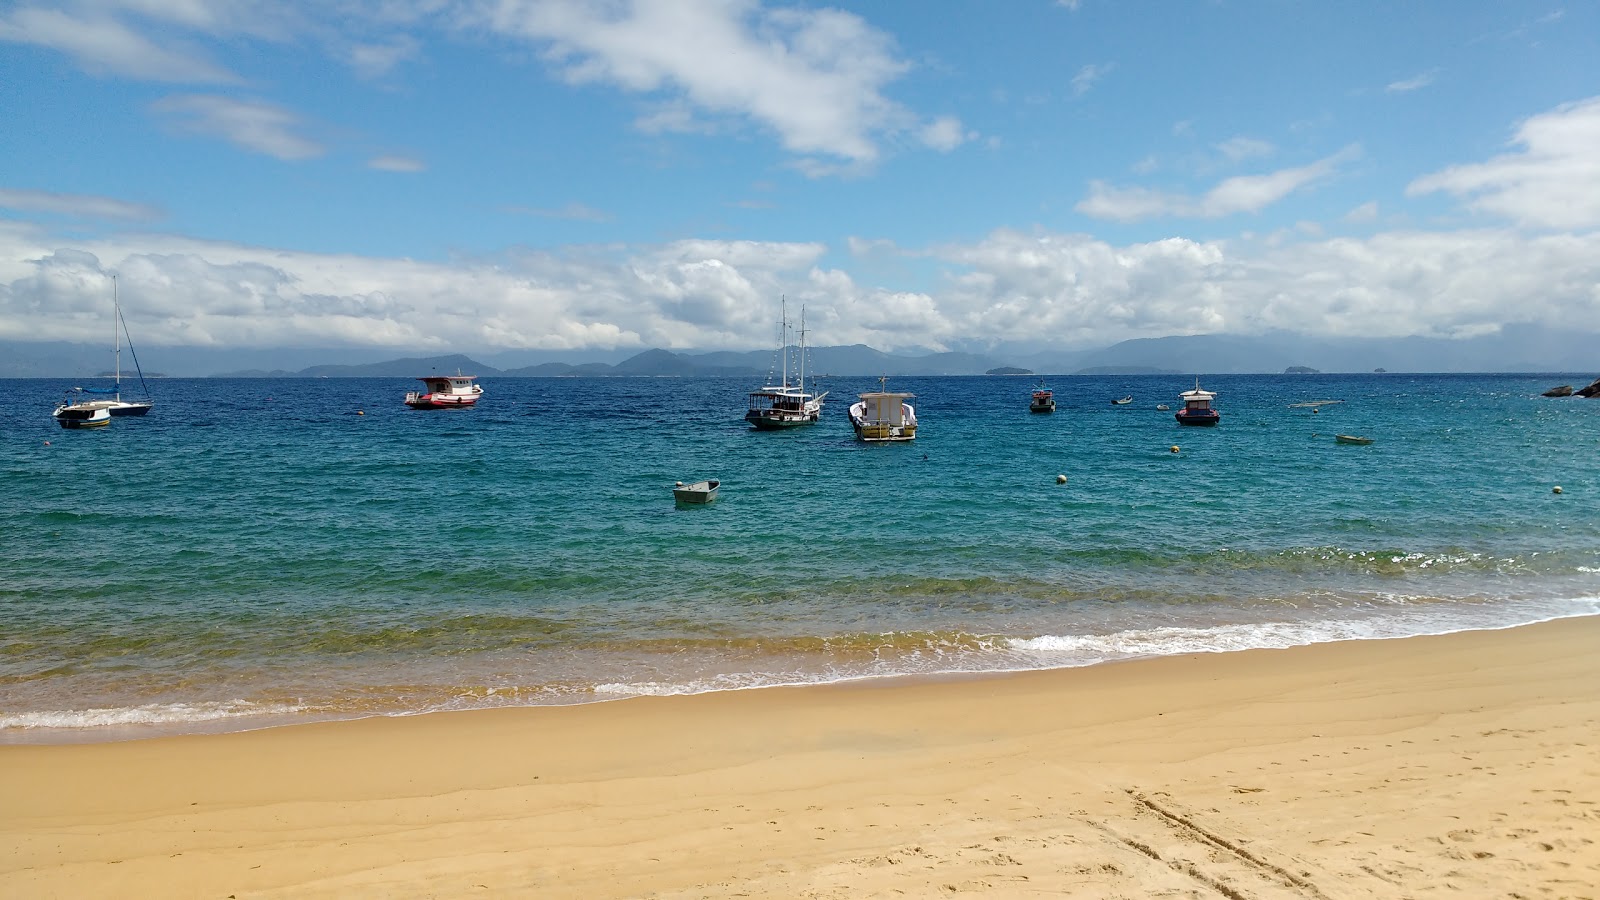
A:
(116, 336)
(802, 348)
(783, 338)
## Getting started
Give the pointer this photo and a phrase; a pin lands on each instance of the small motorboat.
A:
(884, 415)
(82, 415)
(1162, 407)
(1124, 401)
(1351, 439)
(698, 492)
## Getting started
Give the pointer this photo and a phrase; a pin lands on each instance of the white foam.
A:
(149, 714)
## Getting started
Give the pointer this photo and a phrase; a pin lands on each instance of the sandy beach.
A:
(1465, 765)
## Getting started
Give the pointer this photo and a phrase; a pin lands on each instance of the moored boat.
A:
(697, 492)
(1122, 401)
(1197, 407)
(445, 392)
(109, 398)
(1351, 439)
(1043, 400)
(81, 415)
(884, 415)
(785, 405)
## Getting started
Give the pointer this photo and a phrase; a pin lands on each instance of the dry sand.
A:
(1463, 766)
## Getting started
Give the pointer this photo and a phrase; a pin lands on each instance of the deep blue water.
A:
(262, 550)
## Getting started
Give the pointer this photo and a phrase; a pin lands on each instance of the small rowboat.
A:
(1122, 401)
(698, 492)
(1351, 439)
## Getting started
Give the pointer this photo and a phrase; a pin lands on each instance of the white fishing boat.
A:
(697, 492)
(445, 392)
(884, 415)
(785, 405)
(82, 400)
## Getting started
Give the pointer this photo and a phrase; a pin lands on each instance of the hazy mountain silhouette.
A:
(1516, 348)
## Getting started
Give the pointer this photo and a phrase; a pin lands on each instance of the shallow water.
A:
(257, 550)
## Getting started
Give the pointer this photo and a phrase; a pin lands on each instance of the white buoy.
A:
(1061, 479)
(1556, 489)
(677, 484)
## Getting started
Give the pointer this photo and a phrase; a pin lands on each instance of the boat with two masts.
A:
(445, 392)
(884, 415)
(785, 405)
(1197, 407)
(80, 408)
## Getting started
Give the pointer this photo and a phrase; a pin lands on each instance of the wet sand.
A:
(1465, 765)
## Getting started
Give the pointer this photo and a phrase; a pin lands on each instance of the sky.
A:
(600, 176)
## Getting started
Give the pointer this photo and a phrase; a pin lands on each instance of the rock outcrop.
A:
(1593, 390)
(1564, 391)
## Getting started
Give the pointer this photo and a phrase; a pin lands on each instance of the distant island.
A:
(1126, 370)
(1009, 370)
(1301, 370)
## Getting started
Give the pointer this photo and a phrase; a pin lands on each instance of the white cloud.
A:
(1366, 212)
(1088, 76)
(1415, 82)
(1243, 193)
(1553, 182)
(254, 125)
(945, 134)
(572, 212)
(1010, 286)
(104, 46)
(372, 61)
(396, 164)
(815, 77)
(79, 205)
(1238, 149)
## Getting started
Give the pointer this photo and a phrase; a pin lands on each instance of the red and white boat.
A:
(445, 392)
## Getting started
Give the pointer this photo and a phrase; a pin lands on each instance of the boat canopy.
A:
(84, 390)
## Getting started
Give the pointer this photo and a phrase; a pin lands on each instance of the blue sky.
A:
(607, 175)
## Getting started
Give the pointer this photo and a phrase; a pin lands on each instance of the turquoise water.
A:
(265, 550)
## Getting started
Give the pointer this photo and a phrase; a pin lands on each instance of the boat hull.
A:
(699, 492)
(77, 417)
(775, 420)
(1352, 439)
(1207, 417)
(1042, 407)
(877, 432)
(432, 402)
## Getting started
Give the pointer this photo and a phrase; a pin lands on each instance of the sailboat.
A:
(77, 413)
(785, 405)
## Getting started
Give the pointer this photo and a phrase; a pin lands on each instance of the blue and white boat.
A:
(108, 399)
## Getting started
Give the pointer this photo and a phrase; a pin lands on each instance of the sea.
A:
(266, 551)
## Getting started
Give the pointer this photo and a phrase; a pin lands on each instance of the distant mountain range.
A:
(1513, 349)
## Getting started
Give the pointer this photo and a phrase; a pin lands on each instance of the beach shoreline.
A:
(1462, 763)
